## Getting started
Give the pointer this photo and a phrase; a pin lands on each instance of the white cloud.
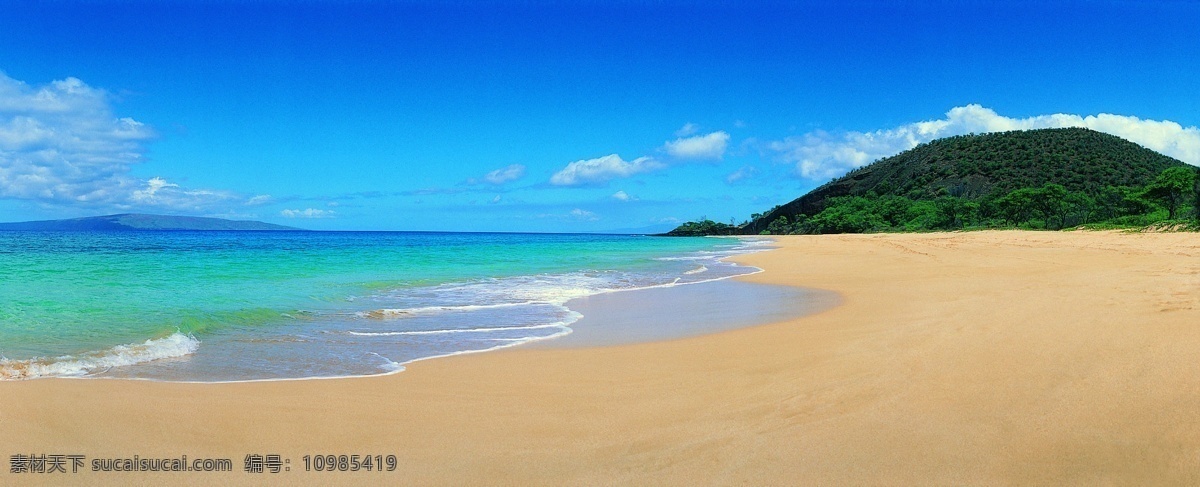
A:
(153, 186)
(623, 196)
(745, 172)
(308, 213)
(157, 192)
(602, 169)
(261, 199)
(505, 174)
(687, 129)
(496, 199)
(711, 146)
(61, 144)
(822, 154)
(583, 215)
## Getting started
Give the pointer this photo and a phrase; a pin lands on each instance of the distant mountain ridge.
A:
(143, 222)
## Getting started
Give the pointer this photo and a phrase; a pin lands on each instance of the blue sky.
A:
(546, 116)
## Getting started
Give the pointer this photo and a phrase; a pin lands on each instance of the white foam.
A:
(388, 313)
(453, 330)
(696, 270)
(175, 345)
(684, 258)
(389, 366)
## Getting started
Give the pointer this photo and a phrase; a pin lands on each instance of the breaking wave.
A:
(175, 345)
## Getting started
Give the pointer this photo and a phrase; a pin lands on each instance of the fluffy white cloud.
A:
(157, 192)
(261, 199)
(711, 146)
(602, 169)
(61, 144)
(822, 154)
(622, 196)
(308, 213)
(505, 174)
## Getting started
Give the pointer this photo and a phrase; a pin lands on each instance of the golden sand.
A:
(968, 358)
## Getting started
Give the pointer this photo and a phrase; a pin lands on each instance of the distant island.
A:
(143, 222)
(1034, 179)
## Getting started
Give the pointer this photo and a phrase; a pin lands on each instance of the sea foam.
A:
(175, 345)
(458, 330)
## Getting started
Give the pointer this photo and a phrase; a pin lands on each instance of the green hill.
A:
(980, 169)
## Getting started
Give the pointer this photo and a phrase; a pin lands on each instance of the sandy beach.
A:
(990, 358)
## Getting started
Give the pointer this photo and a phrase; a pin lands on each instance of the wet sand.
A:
(666, 313)
(992, 358)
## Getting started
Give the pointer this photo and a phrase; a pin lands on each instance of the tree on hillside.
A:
(1118, 201)
(954, 212)
(892, 209)
(780, 226)
(1017, 205)
(704, 227)
(1171, 188)
(1051, 201)
(1079, 205)
(846, 214)
(1196, 199)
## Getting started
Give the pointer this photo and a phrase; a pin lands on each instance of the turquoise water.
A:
(222, 306)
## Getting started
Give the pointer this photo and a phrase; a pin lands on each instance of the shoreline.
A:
(674, 312)
(83, 365)
(982, 357)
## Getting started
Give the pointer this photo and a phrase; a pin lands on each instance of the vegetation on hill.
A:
(705, 227)
(1045, 179)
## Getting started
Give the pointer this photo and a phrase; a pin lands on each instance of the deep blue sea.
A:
(232, 306)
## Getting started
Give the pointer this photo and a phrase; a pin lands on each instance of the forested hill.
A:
(987, 166)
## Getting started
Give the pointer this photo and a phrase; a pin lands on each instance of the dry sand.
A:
(973, 358)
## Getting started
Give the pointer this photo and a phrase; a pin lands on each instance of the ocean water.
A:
(233, 306)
